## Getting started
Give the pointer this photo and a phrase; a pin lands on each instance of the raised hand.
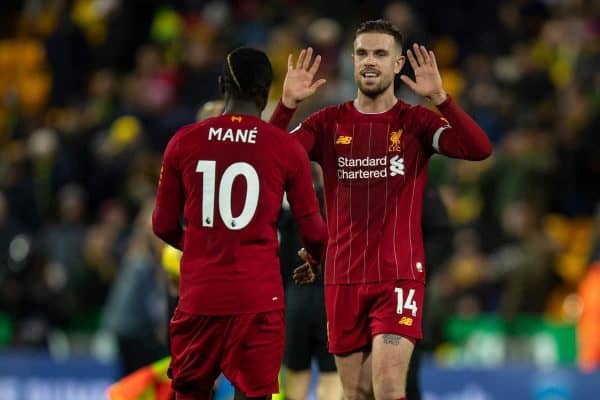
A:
(428, 82)
(298, 84)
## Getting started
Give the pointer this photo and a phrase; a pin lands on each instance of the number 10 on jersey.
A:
(208, 169)
(409, 303)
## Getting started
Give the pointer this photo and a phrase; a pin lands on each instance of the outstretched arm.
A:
(169, 201)
(462, 137)
(304, 206)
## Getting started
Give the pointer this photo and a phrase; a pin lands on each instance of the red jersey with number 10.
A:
(227, 175)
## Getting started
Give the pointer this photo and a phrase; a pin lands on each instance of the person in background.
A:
(306, 324)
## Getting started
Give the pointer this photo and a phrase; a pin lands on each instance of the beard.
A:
(374, 90)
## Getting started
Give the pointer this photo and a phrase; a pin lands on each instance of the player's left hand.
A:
(428, 82)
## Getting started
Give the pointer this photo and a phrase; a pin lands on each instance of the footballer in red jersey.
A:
(374, 153)
(226, 176)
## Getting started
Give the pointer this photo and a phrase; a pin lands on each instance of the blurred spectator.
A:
(136, 308)
(63, 247)
(525, 263)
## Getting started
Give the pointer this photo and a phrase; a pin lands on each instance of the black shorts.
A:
(306, 329)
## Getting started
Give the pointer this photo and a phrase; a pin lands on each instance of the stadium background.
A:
(91, 91)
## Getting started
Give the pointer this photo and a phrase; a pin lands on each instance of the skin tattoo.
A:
(391, 339)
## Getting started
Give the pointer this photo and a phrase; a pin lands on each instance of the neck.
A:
(381, 103)
(236, 106)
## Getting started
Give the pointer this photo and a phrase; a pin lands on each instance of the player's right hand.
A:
(298, 84)
(308, 272)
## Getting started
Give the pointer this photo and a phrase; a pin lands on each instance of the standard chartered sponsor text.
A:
(367, 168)
(361, 162)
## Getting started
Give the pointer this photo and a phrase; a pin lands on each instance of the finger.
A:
(409, 82)
(418, 54)
(317, 84)
(300, 59)
(315, 67)
(303, 254)
(301, 269)
(425, 55)
(433, 60)
(307, 59)
(411, 59)
(299, 280)
(290, 62)
(303, 278)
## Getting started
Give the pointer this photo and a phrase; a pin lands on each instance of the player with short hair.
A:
(374, 152)
(227, 176)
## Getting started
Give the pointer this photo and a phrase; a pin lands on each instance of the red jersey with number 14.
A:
(227, 175)
(375, 170)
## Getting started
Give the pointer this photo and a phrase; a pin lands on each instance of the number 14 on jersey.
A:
(409, 303)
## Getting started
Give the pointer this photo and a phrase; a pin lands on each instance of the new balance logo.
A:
(344, 140)
(396, 166)
(236, 118)
(408, 321)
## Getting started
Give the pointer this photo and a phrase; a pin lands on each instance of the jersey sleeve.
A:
(303, 203)
(454, 133)
(169, 199)
(306, 133)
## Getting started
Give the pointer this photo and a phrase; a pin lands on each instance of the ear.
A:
(398, 64)
(221, 88)
(261, 98)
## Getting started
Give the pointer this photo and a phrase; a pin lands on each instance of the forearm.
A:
(166, 226)
(282, 116)
(464, 139)
(313, 233)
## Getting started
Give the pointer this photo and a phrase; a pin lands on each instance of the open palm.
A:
(428, 82)
(299, 80)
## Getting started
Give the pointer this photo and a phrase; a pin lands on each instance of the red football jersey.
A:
(228, 176)
(375, 170)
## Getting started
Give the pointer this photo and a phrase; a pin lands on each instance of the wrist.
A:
(289, 103)
(438, 98)
(311, 260)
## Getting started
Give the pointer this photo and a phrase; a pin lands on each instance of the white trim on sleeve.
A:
(436, 137)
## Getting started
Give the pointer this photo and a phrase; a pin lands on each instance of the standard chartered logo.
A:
(396, 165)
(369, 167)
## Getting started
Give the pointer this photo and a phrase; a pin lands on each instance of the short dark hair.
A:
(246, 73)
(381, 26)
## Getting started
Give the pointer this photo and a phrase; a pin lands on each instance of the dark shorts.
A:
(306, 329)
(247, 348)
(358, 312)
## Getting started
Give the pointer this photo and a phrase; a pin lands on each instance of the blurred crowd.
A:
(92, 90)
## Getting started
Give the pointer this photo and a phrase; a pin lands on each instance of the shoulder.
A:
(324, 117)
(195, 126)
(277, 136)
(284, 142)
(418, 111)
(332, 112)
